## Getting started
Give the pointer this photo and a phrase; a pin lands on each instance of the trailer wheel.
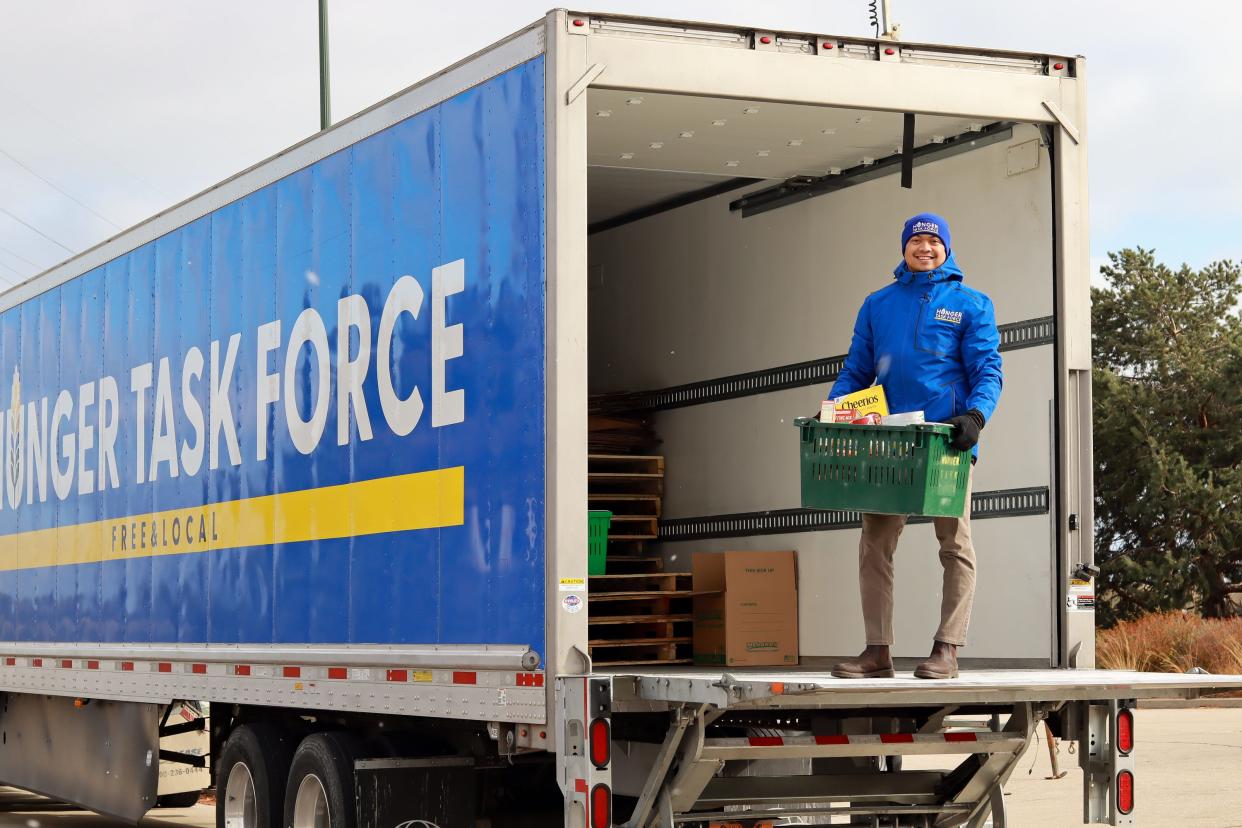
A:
(320, 793)
(250, 785)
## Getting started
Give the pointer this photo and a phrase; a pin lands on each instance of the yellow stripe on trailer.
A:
(421, 500)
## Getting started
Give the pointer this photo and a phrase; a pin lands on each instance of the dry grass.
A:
(1172, 642)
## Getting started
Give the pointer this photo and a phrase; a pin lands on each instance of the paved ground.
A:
(1187, 768)
(14, 805)
(1188, 765)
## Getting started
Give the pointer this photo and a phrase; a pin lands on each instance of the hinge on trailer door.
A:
(1086, 572)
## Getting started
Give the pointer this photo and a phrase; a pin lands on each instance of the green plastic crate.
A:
(894, 470)
(597, 541)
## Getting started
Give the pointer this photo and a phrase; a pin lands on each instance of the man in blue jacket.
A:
(932, 343)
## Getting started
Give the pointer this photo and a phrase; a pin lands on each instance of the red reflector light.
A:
(1058, 66)
(198, 669)
(832, 740)
(601, 743)
(1125, 792)
(765, 40)
(890, 51)
(579, 22)
(1125, 730)
(292, 672)
(66, 663)
(164, 667)
(338, 673)
(827, 45)
(601, 807)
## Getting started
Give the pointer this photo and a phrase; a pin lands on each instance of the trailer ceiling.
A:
(644, 148)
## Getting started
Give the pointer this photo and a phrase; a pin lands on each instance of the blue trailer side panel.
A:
(315, 415)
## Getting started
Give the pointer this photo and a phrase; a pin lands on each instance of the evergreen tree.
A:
(1167, 387)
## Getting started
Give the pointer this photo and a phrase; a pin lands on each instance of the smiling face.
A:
(925, 252)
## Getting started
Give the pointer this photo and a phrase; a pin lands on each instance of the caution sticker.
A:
(1080, 603)
(573, 585)
(423, 676)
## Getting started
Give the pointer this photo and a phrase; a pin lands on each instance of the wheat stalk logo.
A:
(15, 430)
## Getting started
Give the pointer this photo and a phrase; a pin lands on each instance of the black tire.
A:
(185, 799)
(329, 757)
(266, 754)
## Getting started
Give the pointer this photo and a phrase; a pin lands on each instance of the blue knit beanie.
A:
(926, 223)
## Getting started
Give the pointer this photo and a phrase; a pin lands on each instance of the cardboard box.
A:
(850, 407)
(749, 616)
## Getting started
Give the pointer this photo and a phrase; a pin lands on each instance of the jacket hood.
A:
(947, 272)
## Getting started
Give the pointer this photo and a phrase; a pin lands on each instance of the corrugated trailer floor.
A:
(797, 687)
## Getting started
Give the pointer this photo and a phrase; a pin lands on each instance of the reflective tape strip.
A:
(484, 679)
(861, 739)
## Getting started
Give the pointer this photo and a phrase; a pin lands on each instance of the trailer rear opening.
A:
(731, 244)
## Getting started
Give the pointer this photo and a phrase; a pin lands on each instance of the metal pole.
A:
(325, 97)
(892, 31)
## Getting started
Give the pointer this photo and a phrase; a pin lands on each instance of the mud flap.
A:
(101, 755)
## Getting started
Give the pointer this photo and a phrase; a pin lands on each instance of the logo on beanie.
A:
(925, 227)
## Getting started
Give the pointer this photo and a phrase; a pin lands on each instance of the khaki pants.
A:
(875, 574)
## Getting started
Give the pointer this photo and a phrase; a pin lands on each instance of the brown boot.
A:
(941, 665)
(875, 662)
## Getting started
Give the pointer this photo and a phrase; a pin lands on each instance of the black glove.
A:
(966, 428)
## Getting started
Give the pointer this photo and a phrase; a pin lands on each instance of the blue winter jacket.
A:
(930, 341)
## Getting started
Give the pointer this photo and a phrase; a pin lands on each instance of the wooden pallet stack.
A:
(638, 613)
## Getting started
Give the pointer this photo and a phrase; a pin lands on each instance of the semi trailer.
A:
(309, 450)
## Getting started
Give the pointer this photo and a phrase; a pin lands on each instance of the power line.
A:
(37, 230)
(10, 270)
(66, 129)
(21, 257)
(58, 189)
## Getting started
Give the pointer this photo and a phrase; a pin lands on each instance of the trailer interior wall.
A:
(700, 292)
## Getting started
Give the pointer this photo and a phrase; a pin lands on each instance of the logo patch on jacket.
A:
(946, 315)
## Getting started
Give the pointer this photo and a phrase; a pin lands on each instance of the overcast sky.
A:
(112, 111)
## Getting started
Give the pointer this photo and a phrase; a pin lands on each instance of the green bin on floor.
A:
(597, 540)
